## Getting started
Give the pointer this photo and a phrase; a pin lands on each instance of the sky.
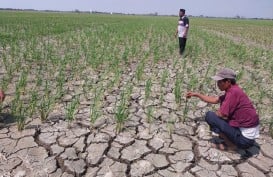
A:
(215, 8)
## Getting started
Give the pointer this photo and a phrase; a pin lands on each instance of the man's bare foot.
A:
(223, 147)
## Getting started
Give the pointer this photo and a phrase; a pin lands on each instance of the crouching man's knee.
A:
(210, 115)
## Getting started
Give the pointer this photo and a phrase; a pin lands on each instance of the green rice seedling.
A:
(156, 51)
(22, 82)
(170, 126)
(161, 96)
(33, 103)
(185, 111)
(10, 71)
(139, 70)
(117, 76)
(94, 114)
(97, 94)
(149, 116)
(71, 110)
(45, 107)
(128, 91)
(125, 55)
(239, 76)
(39, 80)
(193, 82)
(94, 107)
(121, 110)
(133, 48)
(148, 89)
(15, 102)
(177, 90)
(86, 87)
(121, 115)
(5, 61)
(206, 79)
(18, 112)
(184, 66)
(4, 83)
(164, 77)
(156, 57)
(260, 98)
(20, 117)
(171, 49)
(60, 83)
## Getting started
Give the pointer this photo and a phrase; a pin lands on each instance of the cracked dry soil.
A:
(52, 149)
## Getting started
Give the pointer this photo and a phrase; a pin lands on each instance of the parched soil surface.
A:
(163, 149)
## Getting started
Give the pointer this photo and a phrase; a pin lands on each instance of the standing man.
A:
(182, 30)
(236, 121)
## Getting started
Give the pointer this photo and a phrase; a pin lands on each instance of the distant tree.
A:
(77, 11)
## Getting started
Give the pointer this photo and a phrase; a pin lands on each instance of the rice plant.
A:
(148, 89)
(20, 117)
(33, 103)
(170, 126)
(177, 90)
(21, 85)
(94, 113)
(149, 116)
(71, 110)
(121, 110)
(185, 111)
(140, 70)
(45, 106)
(18, 112)
(164, 77)
(95, 106)
(121, 115)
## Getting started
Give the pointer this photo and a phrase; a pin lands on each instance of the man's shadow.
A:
(7, 120)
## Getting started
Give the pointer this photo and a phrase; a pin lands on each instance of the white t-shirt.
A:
(251, 133)
(183, 24)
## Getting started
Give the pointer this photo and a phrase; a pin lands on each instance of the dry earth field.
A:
(103, 95)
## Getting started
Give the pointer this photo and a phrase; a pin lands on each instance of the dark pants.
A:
(182, 44)
(234, 134)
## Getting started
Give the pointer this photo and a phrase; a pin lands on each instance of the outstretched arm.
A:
(205, 98)
(208, 99)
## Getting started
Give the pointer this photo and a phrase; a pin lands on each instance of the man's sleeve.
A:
(186, 22)
(228, 105)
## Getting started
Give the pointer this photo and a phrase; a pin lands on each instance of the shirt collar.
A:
(232, 86)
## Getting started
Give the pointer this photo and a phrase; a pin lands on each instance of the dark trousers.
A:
(218, 125)
(182, 44)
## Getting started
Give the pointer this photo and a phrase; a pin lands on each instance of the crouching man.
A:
(236, 121)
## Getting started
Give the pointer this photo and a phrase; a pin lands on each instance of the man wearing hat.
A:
(236, 121)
